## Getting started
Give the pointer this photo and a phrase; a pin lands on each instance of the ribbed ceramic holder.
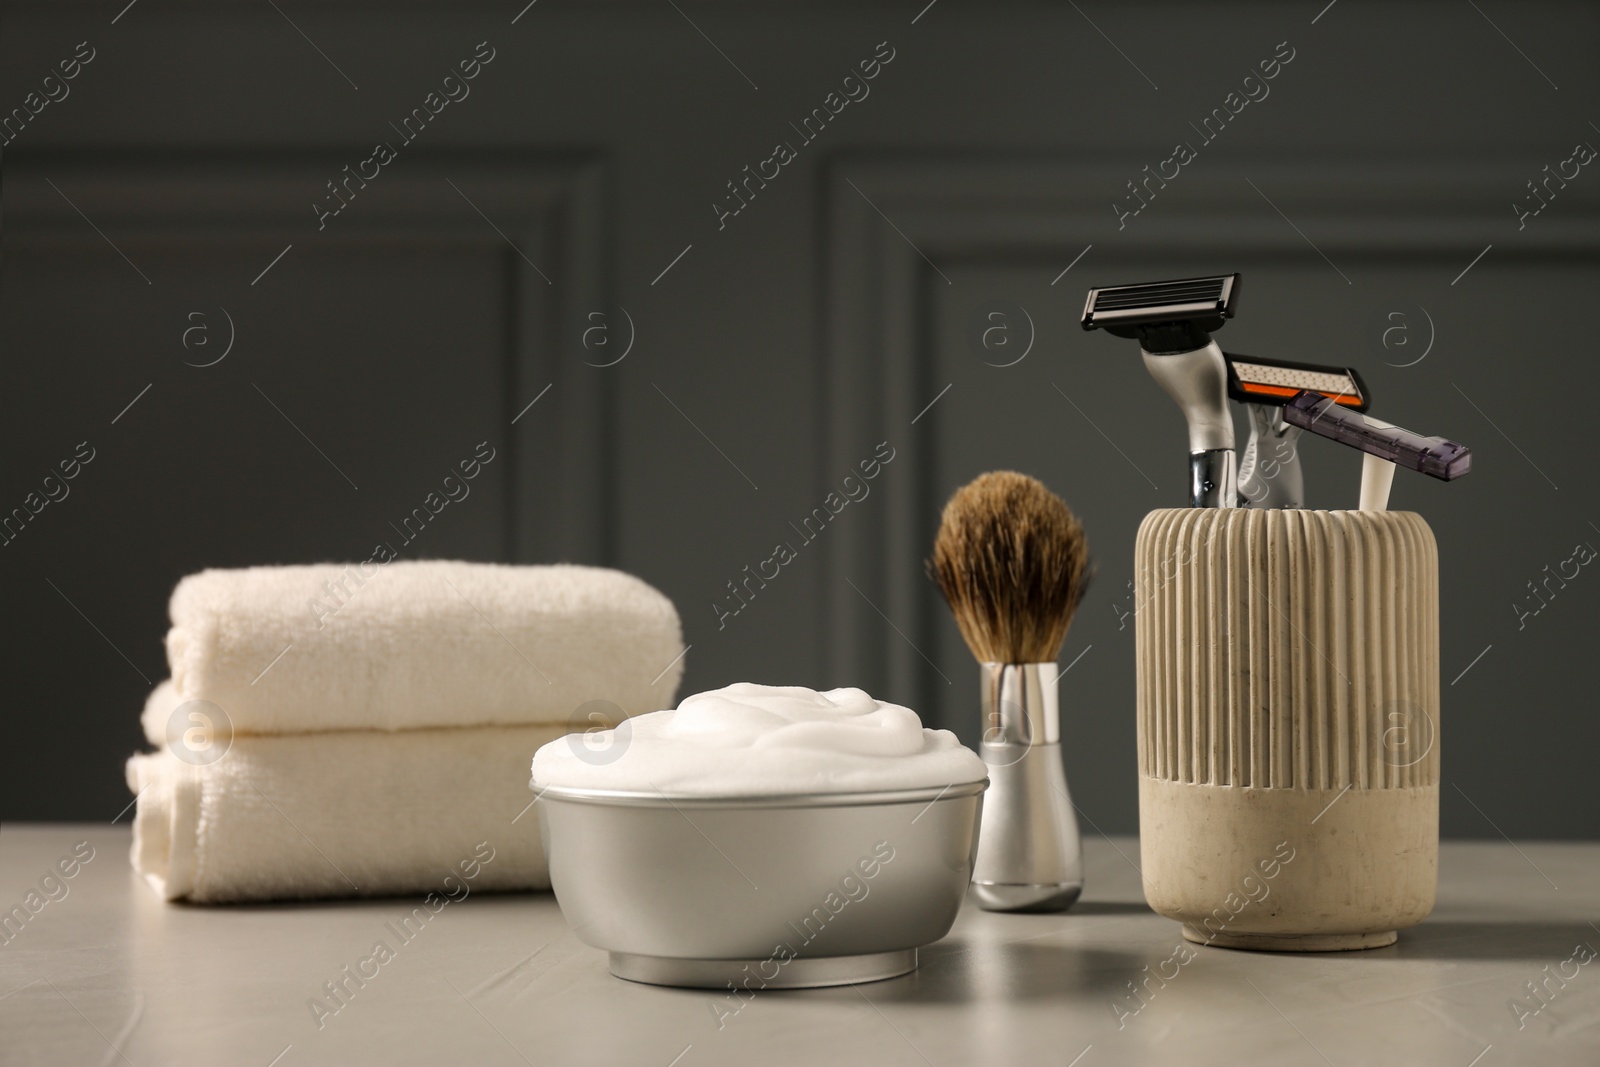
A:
(1288, 724)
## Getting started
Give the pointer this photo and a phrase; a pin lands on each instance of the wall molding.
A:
(552, 207)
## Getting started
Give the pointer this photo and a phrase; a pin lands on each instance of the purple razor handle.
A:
(1433, 456)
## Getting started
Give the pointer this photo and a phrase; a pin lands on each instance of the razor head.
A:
(1202, 303)
(1433, 456)
(1256, 380)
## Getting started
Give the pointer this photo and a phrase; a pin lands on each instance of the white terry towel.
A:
(351, 813)
(416, 644)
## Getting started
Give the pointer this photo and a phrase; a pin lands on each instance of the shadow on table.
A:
(1110, 907)
(1537, 941)
(982, 971)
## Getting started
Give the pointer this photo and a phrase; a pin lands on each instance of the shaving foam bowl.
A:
(761, 892)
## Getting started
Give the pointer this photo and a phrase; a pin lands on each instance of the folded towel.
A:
(416, 644)
(347, 813)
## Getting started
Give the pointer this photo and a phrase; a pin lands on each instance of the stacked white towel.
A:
(378, 725)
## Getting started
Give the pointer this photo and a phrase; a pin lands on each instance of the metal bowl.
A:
(761, 892)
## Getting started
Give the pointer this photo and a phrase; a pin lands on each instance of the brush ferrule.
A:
(1020, 704)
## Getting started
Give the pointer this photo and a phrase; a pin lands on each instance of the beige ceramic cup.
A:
(1288, 724)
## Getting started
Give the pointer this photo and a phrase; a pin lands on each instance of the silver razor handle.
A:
(1198, 382)
(1269, 472)
(1030, 857)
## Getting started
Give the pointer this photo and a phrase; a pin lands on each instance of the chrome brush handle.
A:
(1030, 857)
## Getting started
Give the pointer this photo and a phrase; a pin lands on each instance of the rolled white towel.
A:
(416, 644)
(349, 813)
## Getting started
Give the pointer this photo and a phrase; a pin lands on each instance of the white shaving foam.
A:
(762, 740)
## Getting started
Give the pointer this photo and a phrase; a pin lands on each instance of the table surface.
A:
(107, 974)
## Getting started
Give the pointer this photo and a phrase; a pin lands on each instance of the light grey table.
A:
(107, 974)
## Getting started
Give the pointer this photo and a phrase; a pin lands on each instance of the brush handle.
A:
(1030, 857)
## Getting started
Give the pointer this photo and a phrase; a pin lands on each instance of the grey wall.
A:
(790, 338)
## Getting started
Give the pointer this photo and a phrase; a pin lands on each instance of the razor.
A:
(1384, 445)
(1269, 469)
(1173, 322)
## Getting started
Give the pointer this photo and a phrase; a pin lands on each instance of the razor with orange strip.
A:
(1269, 470)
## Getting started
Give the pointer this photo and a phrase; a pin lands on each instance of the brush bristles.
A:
(1011, 561)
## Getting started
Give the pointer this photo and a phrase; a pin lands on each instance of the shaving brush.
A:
(1012, 562)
